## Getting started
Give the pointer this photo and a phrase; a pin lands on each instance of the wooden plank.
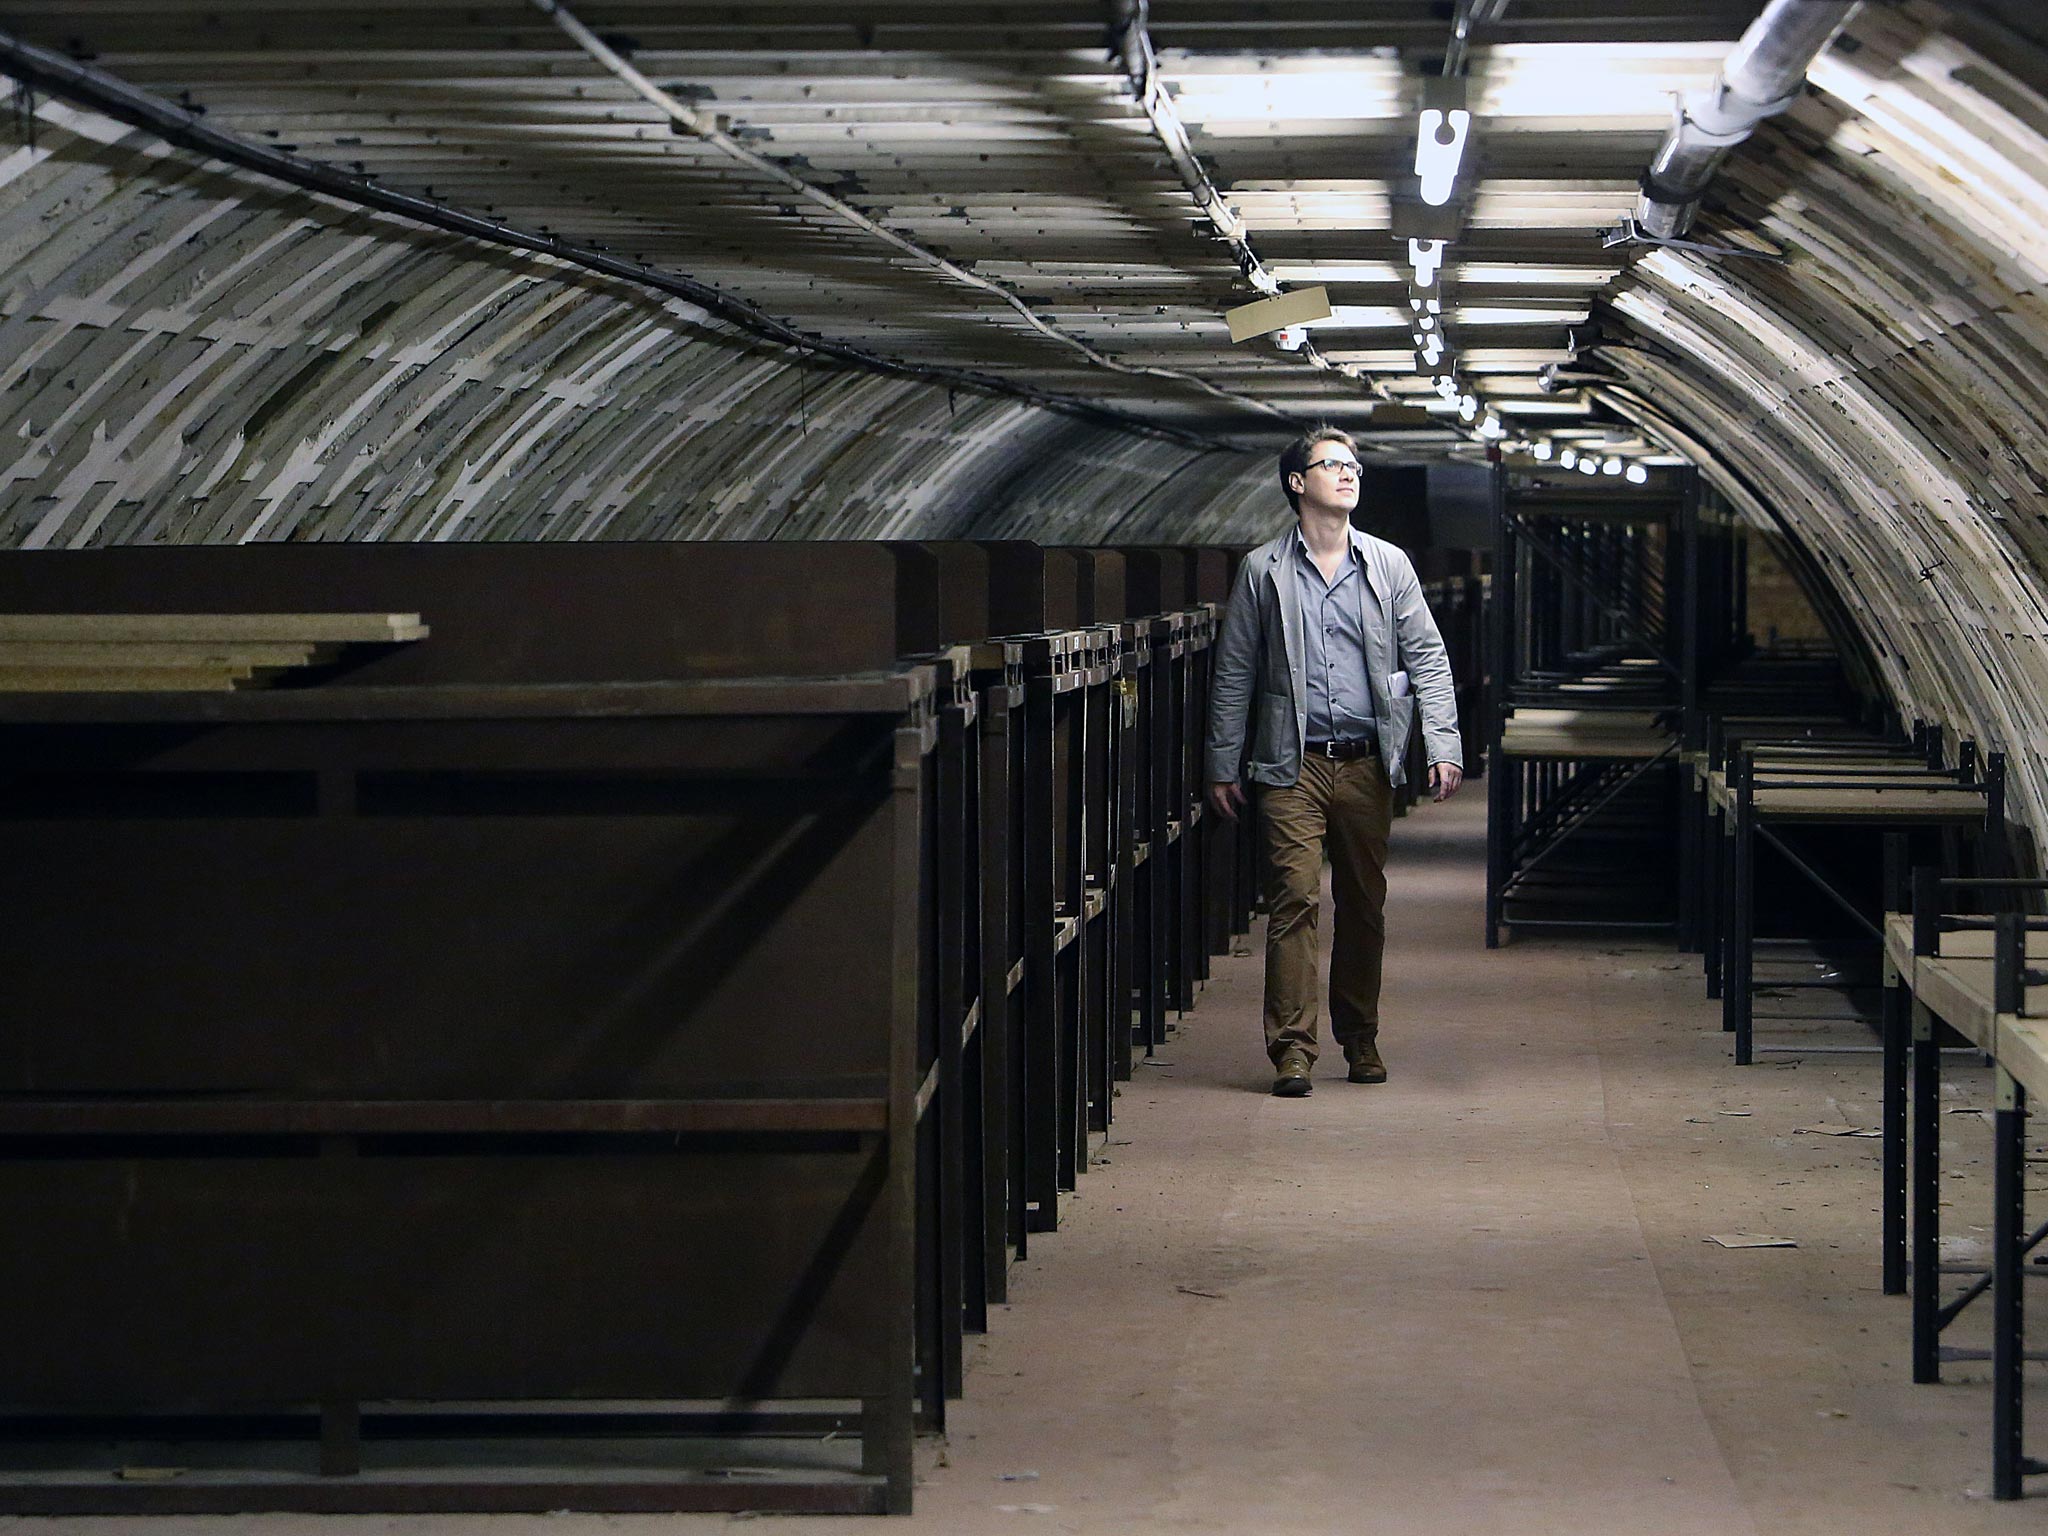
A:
(1876, 803)
(1631, 734)
(1958, 992)
(193, 679)
(1978, 943)
(304, 628)
(1960, 972)
(1772, 765)
(94, 654)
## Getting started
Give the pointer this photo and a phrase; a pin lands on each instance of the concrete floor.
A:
(1477, 1299)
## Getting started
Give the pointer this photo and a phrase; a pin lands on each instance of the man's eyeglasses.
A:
(1351, 464)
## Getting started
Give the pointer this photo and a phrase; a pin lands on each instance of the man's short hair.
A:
(1294, 457)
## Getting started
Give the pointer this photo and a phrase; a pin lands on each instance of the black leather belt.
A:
(1343, 749)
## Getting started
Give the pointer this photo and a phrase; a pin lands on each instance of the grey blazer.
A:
(1260, 670)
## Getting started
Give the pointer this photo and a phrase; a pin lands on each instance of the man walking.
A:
(1326, 651)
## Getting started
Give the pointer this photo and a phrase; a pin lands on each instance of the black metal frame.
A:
(1745, 825)
(1582, 596)
(2010, 1240)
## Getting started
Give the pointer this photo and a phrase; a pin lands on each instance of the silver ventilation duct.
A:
(1761, 78)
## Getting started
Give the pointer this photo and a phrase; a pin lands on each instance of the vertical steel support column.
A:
(955, 903)
(1038, 1091)
(1897, 1050)
(1739, 943)
(1098, 885)
(2008, 1321)
(1158, 701)
(1182, 933)
(1125, 1014)
(1003, 1208)
(1017, 942)
(887, 1426)
(1500, 669)
(1926, 1241)
(1691, 625)
(983, 1183)
(1190, 953)
(1718, 830)
(1070, 763)
(929, 1185)
(1897, 1034)
(1206, 918)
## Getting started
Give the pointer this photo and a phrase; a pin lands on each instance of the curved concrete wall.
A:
(1883, 395)
(189, 354)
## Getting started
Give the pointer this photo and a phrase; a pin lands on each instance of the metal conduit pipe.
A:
(1761, 78)
(1469, 16)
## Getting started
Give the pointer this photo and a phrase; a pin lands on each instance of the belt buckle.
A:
(1330, 749)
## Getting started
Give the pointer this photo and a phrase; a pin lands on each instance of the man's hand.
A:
(1444, 779)
(1226, 798)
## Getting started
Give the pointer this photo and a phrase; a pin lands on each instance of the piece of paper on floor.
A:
(1838, 1130)
(1750, 1240)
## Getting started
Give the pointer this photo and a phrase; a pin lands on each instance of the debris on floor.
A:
(1750, 1240)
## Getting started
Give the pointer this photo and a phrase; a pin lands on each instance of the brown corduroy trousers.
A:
(1349, 807)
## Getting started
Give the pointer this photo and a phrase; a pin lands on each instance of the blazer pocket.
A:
(1276, 726)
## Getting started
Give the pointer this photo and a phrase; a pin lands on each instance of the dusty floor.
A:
(1476, 1299)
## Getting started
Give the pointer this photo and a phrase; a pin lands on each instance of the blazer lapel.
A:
(1288, 597)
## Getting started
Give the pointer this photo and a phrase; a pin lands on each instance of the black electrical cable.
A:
(97, 89)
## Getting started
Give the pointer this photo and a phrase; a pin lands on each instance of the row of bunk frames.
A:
(1845, 875)
(520, 1027)
(1590, 629)
(1807, 795)
(1967, 976)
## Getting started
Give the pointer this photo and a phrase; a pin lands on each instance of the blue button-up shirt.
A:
(1332, 626)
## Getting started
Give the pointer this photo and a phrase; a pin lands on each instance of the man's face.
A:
(1331, 479)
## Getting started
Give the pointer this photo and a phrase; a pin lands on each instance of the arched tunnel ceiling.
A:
(197, 353)
(190, 355)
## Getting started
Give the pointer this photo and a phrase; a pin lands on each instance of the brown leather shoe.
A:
(1366, 1066)
(1293, 1080)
